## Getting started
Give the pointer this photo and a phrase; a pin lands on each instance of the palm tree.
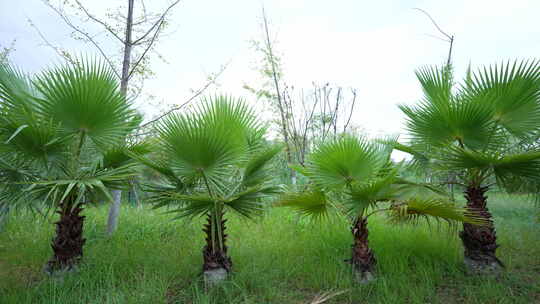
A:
(212, 160)
(357, 178)
(55, 129)
(476, 132)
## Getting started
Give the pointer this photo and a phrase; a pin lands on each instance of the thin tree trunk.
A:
(479, 242)
(362, 260)
(68, 243)
(133, 184)
(114, 212)
(283, 118)
(216, 263)
(3, 216)
(126, 63)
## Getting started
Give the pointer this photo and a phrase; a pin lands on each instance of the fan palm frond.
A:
(523, 166)
(437, 84)
(512, 90)
(122, 154)
(255, 169)
(343, 161)
(364, 195)
(415, 209)
(311, 203)
(85, 99)
(16, 92)
(443, 118)
(209, 140)
(249, 203)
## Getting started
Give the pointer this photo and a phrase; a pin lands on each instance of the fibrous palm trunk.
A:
(216, 263)
(68, 243)
(480, 242)
(363, 260)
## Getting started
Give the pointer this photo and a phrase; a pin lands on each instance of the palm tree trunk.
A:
(216, 263)
(480, 242)
(68, 243)
(362, 260)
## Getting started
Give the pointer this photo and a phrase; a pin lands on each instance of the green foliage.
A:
(59, 134)
(431, 208)
(473, 129)
(352, 175)
(311, 203)
(209, 140)
(341, 162)
(213, 159)
(512, 91)
(85, 100)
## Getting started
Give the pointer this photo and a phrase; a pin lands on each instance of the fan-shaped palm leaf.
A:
(343, 161)
(85, 99)
(417, 208)
(312, 203)
(255, 168)
(208, 140)
(513, 91)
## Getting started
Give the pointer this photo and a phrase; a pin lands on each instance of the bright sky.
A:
(373, 46)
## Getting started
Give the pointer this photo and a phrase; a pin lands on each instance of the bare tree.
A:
(316, 114)
(303, 116)
(272, 90)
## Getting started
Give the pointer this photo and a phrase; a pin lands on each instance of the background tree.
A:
(272, 86)
(471, 131)
(302, 115)
(357, 178)
(55, 129)
(212, 161)
(315, 115)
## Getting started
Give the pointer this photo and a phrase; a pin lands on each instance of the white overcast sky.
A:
(373, 46)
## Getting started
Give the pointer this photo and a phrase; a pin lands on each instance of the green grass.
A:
(277, 259)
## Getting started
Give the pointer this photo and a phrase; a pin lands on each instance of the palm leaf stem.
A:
(215, 218)
(495, 125)
(377, 211)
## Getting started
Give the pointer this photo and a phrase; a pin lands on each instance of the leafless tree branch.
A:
(434, 23)
(47, 43)
(197, 93)
(89, 38)
(106, 26)
(148, 47)
(450, 37)
(352, 109)
(158, 22)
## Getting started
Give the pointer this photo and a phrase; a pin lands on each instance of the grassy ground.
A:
(276, 260)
